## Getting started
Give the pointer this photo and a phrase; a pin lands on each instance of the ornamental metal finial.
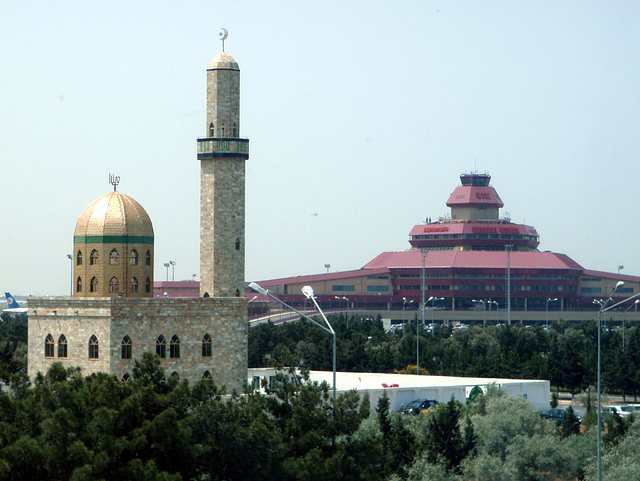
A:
(223, 36)
(114, 180)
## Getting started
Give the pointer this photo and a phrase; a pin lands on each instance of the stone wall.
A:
(143, 320)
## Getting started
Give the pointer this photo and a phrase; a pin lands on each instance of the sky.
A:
(361, 117)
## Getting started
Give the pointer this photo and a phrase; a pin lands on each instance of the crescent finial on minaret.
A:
(223, 36)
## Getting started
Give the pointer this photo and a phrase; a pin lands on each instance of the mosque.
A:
(113, 317)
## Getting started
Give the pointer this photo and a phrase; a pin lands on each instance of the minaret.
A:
(222, 154)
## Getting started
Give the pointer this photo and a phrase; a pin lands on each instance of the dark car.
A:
(557, 414)
(418, 406)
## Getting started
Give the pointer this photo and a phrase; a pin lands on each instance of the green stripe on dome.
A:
(113, 239)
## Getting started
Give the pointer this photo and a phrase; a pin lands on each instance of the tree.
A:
(445, 439)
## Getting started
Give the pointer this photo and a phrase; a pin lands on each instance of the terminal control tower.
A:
(475, 222)
(222, 155)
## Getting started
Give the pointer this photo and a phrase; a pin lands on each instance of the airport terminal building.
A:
(470, 266)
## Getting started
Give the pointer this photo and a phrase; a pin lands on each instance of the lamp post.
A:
(70, 257)
(308, 292)
(497, 314)
(484, 310)
(346, 313)
(173, 270)
(166, 264)
(546, 314)
(603, 308)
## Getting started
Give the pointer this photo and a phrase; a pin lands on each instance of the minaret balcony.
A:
(223, 147)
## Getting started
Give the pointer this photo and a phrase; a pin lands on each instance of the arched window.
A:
(148, 258)
(93, 287)
(237, 292)
(79, 284)
(113, 285)
(161, 347)
(175, 374)
(79, 258)
(147, 285)
(222, 130)
(62, 346)
(49, 346)
(237, 243)
(207, 376)
(134, 285)
(93, 258)
(174, 348)
(234, 130)
(133, 257)
(93, 347)
(211, 130)
(126, 377)
(206, 346)
(113, 257)
(126, 347)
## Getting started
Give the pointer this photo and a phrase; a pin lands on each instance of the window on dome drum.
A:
(79, 284)
(93, 258)
(134, 285)
(79, 258)
(174, 348)
(207, 375)
(49, 346)
(161, 347)
(126, 347)
(147, 285)
(62, 346)
(211, 130)
(93, 287)
(237, 243)
(113, 285)
(148, 258)
(93, 347)
(206, 346)
(133, 257)
(234, 130)
(113, 257)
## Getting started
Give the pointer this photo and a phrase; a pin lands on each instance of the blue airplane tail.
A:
(11, 302)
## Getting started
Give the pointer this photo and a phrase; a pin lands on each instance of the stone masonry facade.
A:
(143, 321)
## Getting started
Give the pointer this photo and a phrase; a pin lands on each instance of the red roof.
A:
(475, 195)
(321, 277)
(473, 259)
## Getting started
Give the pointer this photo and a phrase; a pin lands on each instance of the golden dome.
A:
(114, 214)
(223, 61)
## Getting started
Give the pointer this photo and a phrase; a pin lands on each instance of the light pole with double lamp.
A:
(308, 293)
(346, 313)
(604, 308)
(546, 312)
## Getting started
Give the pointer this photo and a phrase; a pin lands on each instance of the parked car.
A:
(418, 406)
(621, 410)
(557, 414)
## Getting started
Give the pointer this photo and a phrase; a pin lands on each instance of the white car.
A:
(621, 410)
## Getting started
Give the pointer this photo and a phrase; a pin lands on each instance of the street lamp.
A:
(173, 270)
(70, 257)
(546, 315)
(484, 310)
(308, 292)
(497, 314)
(346, 313)
(603, 308)
(166, 264)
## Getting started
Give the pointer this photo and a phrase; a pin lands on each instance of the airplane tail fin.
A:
(11, 302)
